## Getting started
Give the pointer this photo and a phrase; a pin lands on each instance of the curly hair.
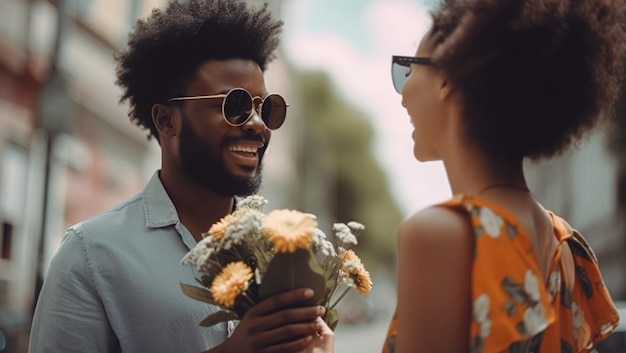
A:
(165, 50)
(535, 75)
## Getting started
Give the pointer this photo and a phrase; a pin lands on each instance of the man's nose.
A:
(255, 124)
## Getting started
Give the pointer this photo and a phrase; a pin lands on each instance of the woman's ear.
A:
(445, 88)
(164, 119)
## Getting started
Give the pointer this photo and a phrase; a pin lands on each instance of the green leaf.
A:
(218, 317)
(289, 271)
(331, 267)
(332, 319)
(198, 293)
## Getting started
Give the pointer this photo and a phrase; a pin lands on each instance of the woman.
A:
(492, 83)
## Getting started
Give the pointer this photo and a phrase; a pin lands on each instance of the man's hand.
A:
(277, 324)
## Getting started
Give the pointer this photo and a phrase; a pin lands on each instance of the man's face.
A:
(223, 158)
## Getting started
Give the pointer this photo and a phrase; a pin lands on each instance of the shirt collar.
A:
(158, 207)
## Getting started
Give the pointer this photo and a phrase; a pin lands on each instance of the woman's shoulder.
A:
(462, 213)
(436, 223)
(434, 267)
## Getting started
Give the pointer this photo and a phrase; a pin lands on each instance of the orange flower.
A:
(231, 282)
(218, 229)
(354, 268)
(362, 280)
(289, 230)
(350, 256)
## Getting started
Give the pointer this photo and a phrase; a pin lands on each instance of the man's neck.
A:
(198, 207)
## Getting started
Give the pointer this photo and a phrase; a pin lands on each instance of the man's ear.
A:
(165, 120)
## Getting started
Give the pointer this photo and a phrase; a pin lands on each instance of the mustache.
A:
(246, 136)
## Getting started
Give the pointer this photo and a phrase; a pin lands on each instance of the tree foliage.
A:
(339, 172)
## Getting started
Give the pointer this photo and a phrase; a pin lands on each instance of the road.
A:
(363, 338)
(363, 320)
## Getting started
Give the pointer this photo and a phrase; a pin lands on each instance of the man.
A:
(114, 284)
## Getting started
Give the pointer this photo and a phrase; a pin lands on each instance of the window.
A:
(13, 178)
(6, 239)
(107, 19)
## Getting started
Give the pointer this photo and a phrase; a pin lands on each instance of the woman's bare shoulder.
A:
(434, 280)
(436, 224)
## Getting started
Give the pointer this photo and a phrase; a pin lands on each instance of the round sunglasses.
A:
(238, 103)
(401, 68)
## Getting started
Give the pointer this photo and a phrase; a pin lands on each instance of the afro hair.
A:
(535, 75)
(165, 50)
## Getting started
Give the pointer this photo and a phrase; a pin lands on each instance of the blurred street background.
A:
(68, 150)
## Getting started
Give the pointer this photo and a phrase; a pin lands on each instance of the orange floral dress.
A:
(514, 308)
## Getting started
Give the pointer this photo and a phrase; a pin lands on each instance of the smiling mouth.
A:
(246, 154)
(245, 149)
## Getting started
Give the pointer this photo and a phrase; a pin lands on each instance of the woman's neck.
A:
(471, 171)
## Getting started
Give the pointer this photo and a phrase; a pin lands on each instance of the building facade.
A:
(67, 148)
(582, 186)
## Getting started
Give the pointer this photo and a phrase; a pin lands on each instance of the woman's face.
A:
(421, 96)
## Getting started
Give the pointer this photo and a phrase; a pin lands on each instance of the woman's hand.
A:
(324, 341)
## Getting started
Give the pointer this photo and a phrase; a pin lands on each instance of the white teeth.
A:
(244, 149)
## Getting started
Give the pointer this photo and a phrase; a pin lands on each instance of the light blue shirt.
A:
(114, 285)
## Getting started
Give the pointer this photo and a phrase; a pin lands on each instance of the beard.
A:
(206, 167)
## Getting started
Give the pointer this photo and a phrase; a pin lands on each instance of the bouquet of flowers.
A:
(248, 256)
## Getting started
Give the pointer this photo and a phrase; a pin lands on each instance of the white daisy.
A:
(247, 225)
(254, 202)
(343, 234)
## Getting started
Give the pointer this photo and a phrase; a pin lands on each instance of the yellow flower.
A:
(289, 230)
(218, 229)
(231, 282)
(354, 268)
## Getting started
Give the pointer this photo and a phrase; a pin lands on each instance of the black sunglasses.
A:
(401, 68)
(237, 107)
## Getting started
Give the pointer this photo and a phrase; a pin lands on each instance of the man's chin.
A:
(229, 182)
(245, 177)
(236, 185)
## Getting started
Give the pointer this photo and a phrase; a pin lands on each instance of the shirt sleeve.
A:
(594, 316)
(69, 315)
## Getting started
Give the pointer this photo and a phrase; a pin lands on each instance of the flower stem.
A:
(247, 297)
(345, 291)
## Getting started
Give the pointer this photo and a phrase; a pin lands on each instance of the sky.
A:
(353, 41)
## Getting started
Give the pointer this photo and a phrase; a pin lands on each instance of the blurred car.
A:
(14, 330)
(616, 342)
